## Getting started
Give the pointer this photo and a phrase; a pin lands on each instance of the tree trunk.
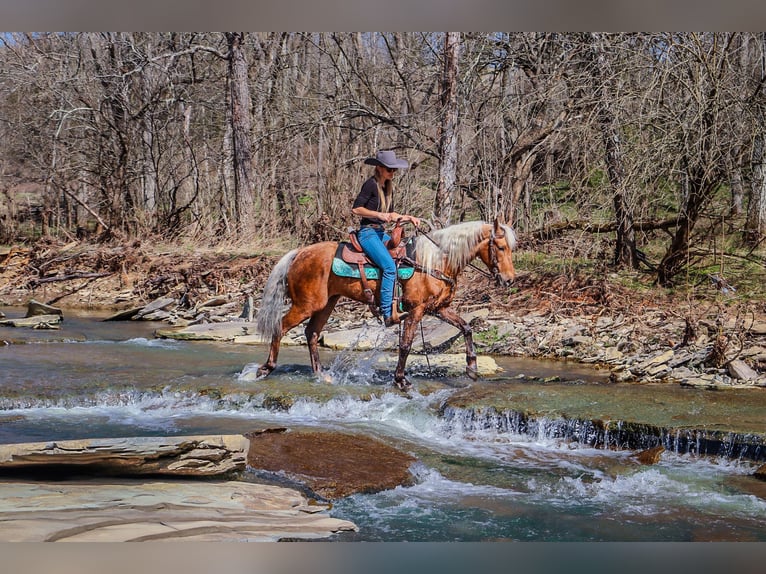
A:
(625, 246)
(445, 190)
(755, 230)
(697, 194)
(737, 185)
(241, 124)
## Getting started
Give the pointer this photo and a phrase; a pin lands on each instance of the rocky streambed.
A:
(641, 358)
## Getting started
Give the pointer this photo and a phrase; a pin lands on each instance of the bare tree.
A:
(696, 115)
(448, 140)
(241, 123)
(625, 252)
(755, 229)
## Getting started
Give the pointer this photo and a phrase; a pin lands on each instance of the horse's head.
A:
(497, 254)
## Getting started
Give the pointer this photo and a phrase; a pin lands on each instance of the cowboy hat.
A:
(387, 159)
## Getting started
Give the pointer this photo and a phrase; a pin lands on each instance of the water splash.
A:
(352, 366)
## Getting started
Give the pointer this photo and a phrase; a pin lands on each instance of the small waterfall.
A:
(608, 434)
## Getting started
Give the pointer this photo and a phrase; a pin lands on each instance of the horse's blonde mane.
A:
(454, 247)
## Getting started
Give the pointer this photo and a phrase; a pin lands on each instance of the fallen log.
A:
(55, 278)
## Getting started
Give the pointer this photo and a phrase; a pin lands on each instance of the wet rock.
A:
(36, 322)
(35, 308)
(760, 473)
(650, 456)
(179, 456)
(331, 464)
(133, 510)
(442, 364)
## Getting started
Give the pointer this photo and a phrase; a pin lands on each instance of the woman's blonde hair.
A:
(385, 192)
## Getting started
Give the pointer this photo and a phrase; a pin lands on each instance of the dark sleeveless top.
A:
(368, 197)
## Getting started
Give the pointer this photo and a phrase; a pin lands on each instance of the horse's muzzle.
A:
(504, 280)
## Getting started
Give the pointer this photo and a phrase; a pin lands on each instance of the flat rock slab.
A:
(133, 510)
(436, 334)
(331, 464)
(34, 322)
(440, 365)
(227, 331)
(179, 456)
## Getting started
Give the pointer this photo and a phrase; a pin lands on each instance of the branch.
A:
(557, 229)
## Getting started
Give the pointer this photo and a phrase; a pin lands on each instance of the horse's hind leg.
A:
(449, 316)
(293, 317)
(314, 328)
(271, 362)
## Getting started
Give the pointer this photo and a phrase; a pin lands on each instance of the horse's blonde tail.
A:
(268, 321)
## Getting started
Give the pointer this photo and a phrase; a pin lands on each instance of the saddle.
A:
(352, 253)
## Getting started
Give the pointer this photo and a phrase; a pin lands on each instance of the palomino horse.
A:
(304, 277)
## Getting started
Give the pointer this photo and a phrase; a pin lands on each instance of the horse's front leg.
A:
(449, 316)
(406, 336)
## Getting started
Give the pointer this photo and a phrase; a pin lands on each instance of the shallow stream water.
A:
(474, 482)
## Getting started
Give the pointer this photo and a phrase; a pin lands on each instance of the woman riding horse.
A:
(304, 278)
(375, 205)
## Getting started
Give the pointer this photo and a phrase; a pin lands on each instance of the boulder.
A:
(330, 464)
(650, 456)
(35, 308)
(761, 472)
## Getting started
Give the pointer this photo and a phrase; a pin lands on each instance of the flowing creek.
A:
(490, 475)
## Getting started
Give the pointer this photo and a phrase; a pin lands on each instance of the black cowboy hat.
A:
(387, 159)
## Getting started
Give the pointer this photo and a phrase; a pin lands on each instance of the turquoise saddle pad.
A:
(343, 269)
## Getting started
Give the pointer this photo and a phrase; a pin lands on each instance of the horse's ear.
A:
(497, 223)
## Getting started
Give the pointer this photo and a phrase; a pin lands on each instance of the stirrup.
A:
(396, 317)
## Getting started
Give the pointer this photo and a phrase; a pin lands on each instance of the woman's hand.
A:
(399, 218)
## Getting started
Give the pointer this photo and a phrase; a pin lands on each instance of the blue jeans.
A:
(373, 241)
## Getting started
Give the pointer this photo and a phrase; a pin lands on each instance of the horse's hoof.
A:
(404, 385)
(472, 372)
(262, 372)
